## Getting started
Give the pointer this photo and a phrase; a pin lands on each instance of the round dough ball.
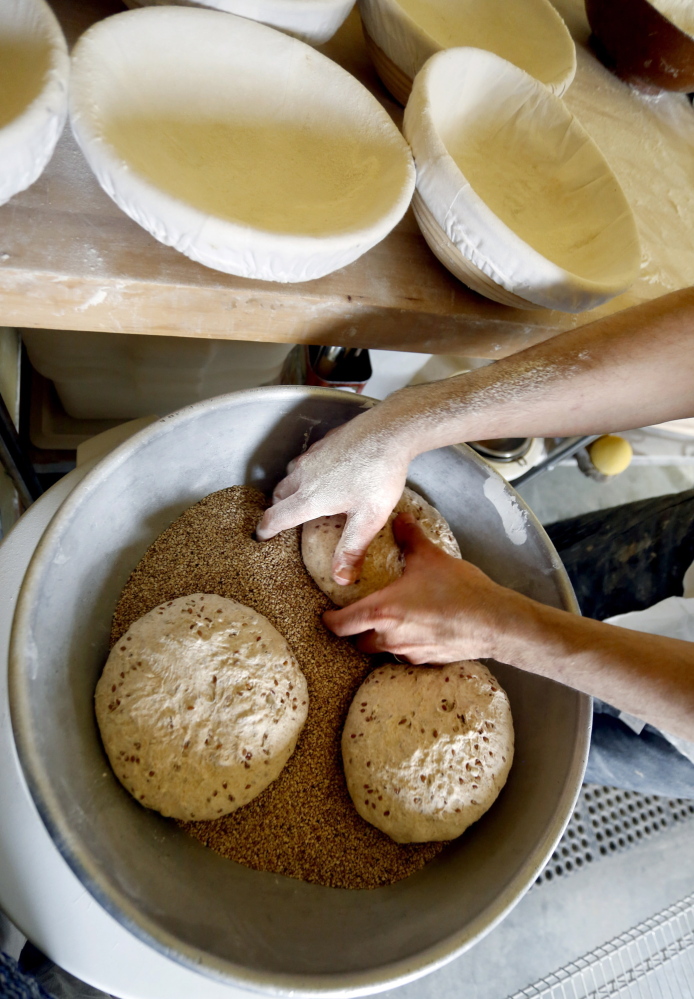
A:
(384, 562)
(426, 749)
(200, 706)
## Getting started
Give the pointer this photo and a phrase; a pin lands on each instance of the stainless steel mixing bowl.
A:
(258, 930)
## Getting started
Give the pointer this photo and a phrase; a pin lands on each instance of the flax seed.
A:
(304, 824)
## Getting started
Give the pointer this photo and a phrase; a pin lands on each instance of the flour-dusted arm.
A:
(629, 370)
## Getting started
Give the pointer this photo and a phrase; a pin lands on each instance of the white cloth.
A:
(671, 618)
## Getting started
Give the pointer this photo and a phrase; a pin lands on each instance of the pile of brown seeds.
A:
(304, 824)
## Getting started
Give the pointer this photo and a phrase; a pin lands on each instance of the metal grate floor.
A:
(654, 960)
(607, 821)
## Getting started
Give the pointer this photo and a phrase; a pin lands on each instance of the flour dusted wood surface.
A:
(69, 259)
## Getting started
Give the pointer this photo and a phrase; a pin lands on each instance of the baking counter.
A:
(70, 259)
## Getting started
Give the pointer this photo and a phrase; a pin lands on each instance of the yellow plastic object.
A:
(610, 454)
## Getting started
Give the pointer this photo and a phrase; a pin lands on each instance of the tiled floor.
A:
(561, 920)
(653, 960)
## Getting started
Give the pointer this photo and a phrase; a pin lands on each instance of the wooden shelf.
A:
(70, 259)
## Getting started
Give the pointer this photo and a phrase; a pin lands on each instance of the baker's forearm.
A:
(626, 371)
(645, 675)
(443, 609)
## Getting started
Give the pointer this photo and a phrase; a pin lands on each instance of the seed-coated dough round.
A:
(200, 706)
(426, 749)
(384, 562)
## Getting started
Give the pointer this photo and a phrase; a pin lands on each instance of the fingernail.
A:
(345, 575)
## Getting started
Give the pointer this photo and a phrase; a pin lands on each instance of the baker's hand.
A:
(358, 469)
(441, 610)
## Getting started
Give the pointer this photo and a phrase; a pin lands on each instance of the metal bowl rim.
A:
(342, 984)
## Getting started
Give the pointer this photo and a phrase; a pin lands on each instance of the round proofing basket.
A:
(528, 209)
(34, 73)
(261, 158)
(402, 34)
(460, 266)
(395, 80)
(259, 930)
